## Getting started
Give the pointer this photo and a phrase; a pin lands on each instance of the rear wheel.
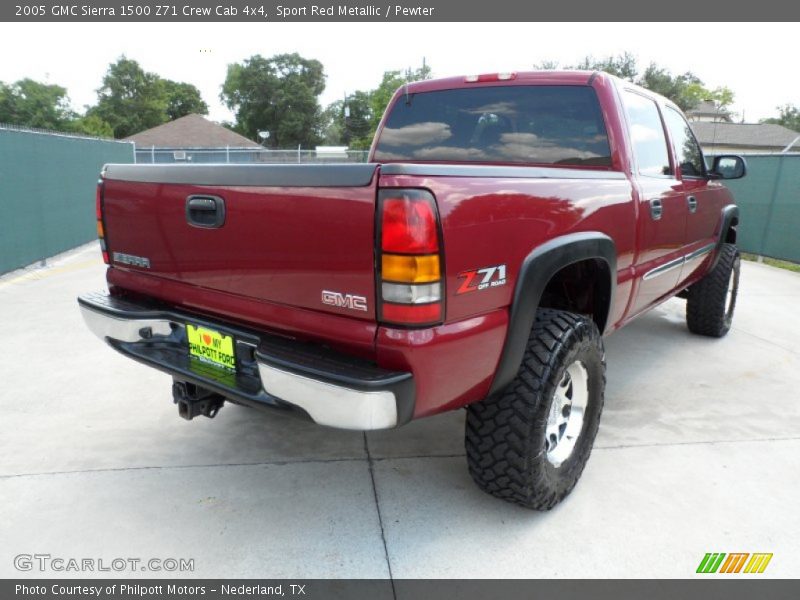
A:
(711, 301)
(529, 443)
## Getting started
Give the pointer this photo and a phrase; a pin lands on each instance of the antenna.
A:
(717, 108)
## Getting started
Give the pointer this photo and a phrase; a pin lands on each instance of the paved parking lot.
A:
(698, 451)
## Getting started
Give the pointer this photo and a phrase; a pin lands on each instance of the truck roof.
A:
(517, 78)
(549, 77)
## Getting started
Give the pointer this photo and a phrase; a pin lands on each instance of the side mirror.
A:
(728, 166)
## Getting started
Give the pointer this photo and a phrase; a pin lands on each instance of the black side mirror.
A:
(728, 166)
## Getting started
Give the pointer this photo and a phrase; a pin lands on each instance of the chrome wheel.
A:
(565, 419)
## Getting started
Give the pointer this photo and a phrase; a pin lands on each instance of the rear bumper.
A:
(307, 380)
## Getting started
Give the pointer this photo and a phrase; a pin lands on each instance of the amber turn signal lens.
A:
(410, 269)
(100, 232)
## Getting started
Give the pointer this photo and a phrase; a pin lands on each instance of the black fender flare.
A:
(537, 270)
(729, 213)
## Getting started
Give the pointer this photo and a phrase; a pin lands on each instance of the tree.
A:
(686, 90)
(788, 116)
(623, 66)
(278, 94)
(34, 104)
(382, 95)
(349, 121)
(132, 99)
(365, 109)
(91, 125)
(183, 99)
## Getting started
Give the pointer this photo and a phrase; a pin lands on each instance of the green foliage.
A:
(183, 99)
(34, 104)
(279, 95)
(623, 66)
(788, 116)
(132, 99)
(686, 90)
(91, 125)
(349, 122)
(366, 109)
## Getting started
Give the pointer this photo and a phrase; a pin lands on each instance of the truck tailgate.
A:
(288, 232)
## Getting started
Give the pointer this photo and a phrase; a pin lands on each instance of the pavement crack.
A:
(370, 465)
(767, 340)
(198, 466)
(696, 443)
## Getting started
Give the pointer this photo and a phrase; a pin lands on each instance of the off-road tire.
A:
(709, 311)
(505, 433)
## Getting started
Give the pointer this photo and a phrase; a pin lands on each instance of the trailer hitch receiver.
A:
(194, 401)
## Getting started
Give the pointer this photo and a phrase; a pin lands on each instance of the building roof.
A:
(706, 108)
(191, 131)
(750, 135)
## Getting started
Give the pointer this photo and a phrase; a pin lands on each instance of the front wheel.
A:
(711, 301)
(529, 443)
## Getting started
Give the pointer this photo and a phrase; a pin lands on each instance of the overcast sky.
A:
(757, 61)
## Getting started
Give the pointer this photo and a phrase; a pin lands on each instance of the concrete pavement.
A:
(697, 452)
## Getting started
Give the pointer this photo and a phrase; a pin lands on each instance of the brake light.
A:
(490, 77)
(98, 211)
(410, 271)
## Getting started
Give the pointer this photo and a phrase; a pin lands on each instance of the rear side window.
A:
(647, 135)
(559, 125)
(690, 157)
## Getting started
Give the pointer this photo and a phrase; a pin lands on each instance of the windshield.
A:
(559, 125)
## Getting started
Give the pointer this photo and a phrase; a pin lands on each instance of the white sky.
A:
(754, 59)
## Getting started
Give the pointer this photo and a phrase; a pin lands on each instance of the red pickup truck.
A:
(503, 224)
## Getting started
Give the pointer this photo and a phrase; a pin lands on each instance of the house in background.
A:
(193, 139)
(708, 112)
(744, 138)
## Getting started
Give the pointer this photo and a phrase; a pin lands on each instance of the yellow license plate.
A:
(211, 346)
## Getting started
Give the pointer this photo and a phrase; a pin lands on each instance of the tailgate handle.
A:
(205, 211)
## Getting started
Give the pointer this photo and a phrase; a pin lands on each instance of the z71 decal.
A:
(481, 279)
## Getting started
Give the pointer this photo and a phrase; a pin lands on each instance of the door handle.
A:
(656, 209)
(692, 202)
(205, 211)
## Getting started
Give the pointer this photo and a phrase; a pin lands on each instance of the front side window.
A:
(647, 135)
(690, 157)
(560, 125)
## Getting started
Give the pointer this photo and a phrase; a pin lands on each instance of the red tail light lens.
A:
(410, 288)
(101, 230)
(408, 225)
(98, 201)
(413, 314)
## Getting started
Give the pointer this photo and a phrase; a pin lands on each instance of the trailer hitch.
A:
(193, 400)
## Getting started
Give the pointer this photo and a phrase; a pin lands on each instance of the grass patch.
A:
(773, 262)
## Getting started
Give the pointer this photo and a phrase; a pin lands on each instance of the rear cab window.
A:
(541, 124)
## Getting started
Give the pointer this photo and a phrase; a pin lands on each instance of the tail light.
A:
(101, 229)
(409, 259)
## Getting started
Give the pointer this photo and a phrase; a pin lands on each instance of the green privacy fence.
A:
(769, 206)
(47, 185)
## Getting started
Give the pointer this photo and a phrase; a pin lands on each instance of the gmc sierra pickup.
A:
(503, 225)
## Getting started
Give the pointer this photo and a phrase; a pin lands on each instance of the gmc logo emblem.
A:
(340, 300)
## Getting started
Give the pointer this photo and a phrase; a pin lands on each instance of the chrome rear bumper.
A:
(303, 379)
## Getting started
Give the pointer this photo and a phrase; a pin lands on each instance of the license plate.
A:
(211, 346)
